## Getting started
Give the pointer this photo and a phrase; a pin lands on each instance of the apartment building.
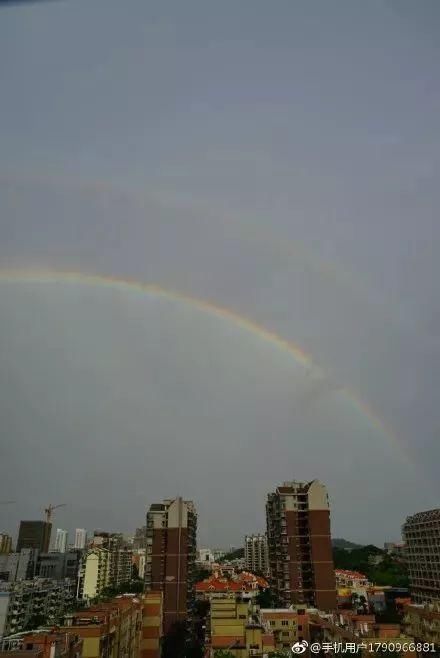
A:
(171, 556)
(34, 534)
(421, 533)
(94, 573)
(120, 556)
(422, 622)
(300, 551)
(287, 625)
(124, 566)
(256, 554)
(37, 601)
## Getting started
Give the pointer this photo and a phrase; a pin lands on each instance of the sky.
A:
(279, 160)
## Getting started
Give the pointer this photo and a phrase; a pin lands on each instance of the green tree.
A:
(265, 598)
(201, 574)
(35, 621)
(223, 653)
(233, 555)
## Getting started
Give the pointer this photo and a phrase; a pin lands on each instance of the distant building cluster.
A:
(281, 588)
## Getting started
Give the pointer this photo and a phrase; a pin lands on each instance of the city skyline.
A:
(219, 261)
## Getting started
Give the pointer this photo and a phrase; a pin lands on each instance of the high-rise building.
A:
(171, 556)
(34, 534)
(60, 543)
(124, 566)
(139, 537)
(113, 542)
(256, 554)
(80, 539)
(94, 573)
(421, 533)
(300, 549)
(5, 544)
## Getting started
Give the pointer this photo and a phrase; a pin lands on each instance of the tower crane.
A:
(49, 511)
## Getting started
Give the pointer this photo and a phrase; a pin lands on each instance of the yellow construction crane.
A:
(49, 510)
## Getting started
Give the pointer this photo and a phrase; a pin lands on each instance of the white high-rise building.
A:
(256, 554)
(80, 538)
(60, 541)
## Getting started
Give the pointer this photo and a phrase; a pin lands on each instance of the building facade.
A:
(34, 534)
(235, 627)
(60, 544)
(171, 556)
(80, 539)
(34, 602)
(59, 566)
(300, 549)
(139, 538)
(422, 622)
(110, 629)
(256, 554)
(421, 533)
(94, 573)
(152, 630)
(42, 644)
(5, 543)
(19, 566)
(287, 625)
(120, 556)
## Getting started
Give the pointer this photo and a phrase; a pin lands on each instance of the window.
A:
(284, 622)
(300, 627)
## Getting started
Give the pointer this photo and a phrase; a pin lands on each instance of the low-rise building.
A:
(360, 631)
(205, 556)
(288, 625)
(41, 644)
(351, 579)
(245, 585)
(235, 626)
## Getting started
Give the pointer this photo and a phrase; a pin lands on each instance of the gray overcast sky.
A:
(279, 159)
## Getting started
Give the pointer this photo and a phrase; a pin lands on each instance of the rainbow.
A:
(292, 349)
